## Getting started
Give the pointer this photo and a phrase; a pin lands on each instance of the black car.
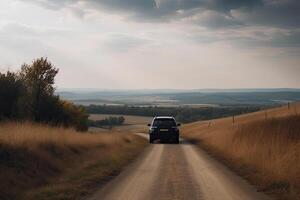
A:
(165, 129)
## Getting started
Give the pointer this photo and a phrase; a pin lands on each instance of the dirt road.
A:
(169, 172)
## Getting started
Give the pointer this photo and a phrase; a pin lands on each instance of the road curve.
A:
(175, 172)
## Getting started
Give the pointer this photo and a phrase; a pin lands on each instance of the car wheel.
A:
(150, 140)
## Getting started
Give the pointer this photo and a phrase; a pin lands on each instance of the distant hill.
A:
(237, 98)
(183, 97)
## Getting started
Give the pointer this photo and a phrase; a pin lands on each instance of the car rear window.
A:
(164, 122)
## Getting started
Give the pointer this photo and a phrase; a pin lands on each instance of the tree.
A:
(39, 80)
(10, 91)
(74, 116)
(29, 95)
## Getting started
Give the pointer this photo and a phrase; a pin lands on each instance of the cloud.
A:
(153, 8)
(247, 22)
(20, 39)
(114, 40)
(17, 30)
(215, 20)
(283, 13)
(280, 40)
(120, 43)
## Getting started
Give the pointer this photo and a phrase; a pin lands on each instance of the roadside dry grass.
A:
(41, 162)
(264, 147)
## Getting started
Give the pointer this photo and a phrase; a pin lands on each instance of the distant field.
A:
(132, 123)
(175, 98)
(129, 119)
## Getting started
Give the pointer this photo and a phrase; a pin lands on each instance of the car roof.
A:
(164, 117)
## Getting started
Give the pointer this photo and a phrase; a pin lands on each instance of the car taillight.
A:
(152, 129)
(175, 128)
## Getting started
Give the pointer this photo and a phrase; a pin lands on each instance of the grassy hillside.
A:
(41, 162)
(264, 147)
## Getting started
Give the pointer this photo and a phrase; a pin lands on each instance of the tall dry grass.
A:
(266, 150)
(28, 135)
(33, 156)
(272, 147)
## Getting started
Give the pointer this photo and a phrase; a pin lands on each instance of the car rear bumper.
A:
(164, 136)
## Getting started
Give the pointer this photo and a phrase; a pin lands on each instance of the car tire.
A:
(150, 140)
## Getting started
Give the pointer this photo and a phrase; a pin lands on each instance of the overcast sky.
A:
(136, 44)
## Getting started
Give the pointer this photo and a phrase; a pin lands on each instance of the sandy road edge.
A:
(107, 188)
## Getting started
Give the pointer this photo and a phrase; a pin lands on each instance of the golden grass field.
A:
(42, 162)
(129, 119)
(263, 146)
(132, 123)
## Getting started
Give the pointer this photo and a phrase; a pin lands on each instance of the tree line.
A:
(29, 95)
(108, 121)
(182, 113)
